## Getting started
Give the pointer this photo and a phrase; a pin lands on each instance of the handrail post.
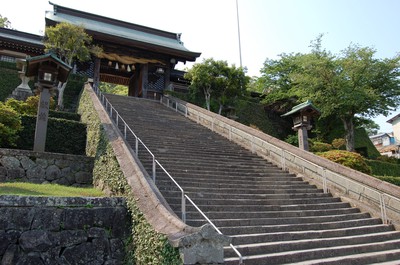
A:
(125, 130)
(154, 169)
(324, 182)
(137, 146)
(183, 202)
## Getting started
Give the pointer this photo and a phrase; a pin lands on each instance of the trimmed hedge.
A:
(393, 180)
(380, 168)
(64, 115)
(72, 91)
(9, 79)
(63, 136)
(145, 246)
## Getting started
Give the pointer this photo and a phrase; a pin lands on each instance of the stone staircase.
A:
(272, 216)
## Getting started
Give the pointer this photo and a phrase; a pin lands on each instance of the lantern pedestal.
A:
(41, 122)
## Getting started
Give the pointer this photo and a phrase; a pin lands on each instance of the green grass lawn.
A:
(30, 189)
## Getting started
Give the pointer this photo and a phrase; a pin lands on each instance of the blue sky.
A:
(268, 27)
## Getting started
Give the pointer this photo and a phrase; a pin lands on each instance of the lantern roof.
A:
(33, 64)
(303, 107)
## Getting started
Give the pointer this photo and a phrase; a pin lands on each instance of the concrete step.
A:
(279, 221)
(290, 257)
(238, 208)
(308, 234)
(272, 214)
(335, 224)
(388, 257)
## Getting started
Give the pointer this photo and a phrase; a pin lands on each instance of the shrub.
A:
(348, 159)
(316, 146)
(339, 143)
(10, 125)
(29, 107)
(293, 140)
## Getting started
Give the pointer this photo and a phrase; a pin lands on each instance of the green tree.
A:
(10, 125)
(68, 42)
(218, 81)
(4, 22)
(350, 84)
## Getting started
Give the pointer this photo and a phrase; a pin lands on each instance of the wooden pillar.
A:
(145, 79)
(167, 77)
(96, 72)
(133, 89)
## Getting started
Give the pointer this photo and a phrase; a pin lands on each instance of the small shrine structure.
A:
(302, 115)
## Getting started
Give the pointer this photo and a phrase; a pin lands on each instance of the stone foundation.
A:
(53, 230)
(35, 167)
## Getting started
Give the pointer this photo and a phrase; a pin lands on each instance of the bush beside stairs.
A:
(272, 216)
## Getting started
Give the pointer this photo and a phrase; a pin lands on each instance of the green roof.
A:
(122, 31)
(305, 105)
(33, 63)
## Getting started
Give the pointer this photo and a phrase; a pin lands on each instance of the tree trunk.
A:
(61, 89)
(207, 95)
(349, 137)
(220, 109)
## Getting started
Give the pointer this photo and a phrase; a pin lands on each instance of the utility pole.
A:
(240, 48)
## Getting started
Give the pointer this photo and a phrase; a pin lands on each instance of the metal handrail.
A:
(281, 152)
(107, 104)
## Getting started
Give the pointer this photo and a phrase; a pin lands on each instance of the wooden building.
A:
(140, 57)
(18, 45)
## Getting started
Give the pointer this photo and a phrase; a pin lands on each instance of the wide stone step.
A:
(238, 208)
(227, 202)
(228, 177)
(202, 182)
(308, 234)
(290, 257)
(236, 230)
(220, 215)
(239, 197)
(388, 257)
(276, 189)
(279, 221)
(284, 246)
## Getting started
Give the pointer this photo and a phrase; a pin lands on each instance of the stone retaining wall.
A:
(29, 166)
(52, 230)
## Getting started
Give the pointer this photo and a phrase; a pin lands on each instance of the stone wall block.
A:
(72, 237)
(27, 163)
(15, 219)
(37, 172)
(15, 173)
(11, 255)
(42, 162)
(62, 163)
(35, 241)
(84, 178)
(53, 173)
(10, 162)
(97, 232)
(121, 223)
(47, 218)
(7, 238)
(78, 218)
(117, 248)
(76, 166)
(84, 253)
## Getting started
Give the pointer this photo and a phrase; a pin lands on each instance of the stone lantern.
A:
(49, 71)
(302, 115)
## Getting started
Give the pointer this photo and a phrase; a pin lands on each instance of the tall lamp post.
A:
(49, 71)
(302, 115)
